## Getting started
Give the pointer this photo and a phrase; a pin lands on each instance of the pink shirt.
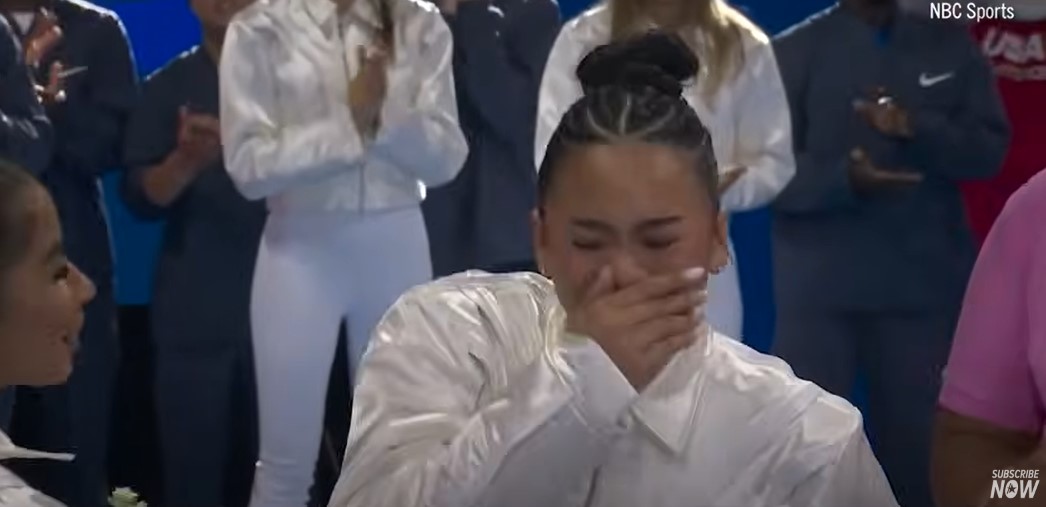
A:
(997, 370)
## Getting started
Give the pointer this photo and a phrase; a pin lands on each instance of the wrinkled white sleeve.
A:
(424, 137)
(263, 155)
(764, 133)
(559, 89)
(425, 432)
(16, 493)
(854, 478)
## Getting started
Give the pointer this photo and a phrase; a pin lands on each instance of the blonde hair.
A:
(716, 41)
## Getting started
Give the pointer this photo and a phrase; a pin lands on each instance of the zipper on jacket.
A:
(362, 187)
(592, 486)
(364, 138)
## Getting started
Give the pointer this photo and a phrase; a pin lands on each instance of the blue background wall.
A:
(160, 29)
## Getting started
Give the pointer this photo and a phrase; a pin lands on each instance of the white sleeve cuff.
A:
(603, 395)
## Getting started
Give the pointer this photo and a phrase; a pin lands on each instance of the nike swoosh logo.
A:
(927, 81)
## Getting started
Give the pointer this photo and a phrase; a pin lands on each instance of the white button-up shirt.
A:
(287, 129)
(469, 396)
(747, 116)
(13, 491)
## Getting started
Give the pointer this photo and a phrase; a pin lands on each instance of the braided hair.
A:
(633, 92)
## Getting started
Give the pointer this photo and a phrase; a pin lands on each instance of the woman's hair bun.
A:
(654, 59)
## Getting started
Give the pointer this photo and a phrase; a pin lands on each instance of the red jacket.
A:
(1017, 51)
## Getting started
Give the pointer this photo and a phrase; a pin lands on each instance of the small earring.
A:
(719, 269)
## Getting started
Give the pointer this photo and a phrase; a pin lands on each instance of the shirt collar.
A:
(325, 14)
(668, 407)
(8, 450)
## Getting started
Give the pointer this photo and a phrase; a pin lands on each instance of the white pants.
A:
(725, 309)
(313, 272)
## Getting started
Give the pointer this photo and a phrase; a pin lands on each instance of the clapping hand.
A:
(884, 114)
(45, 36)
(54, 92)
(866, 177)
(199, 140)
(367, 89)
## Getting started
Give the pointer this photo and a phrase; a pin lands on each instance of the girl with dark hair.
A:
(604, 386)
(339, 114)
(42, 299)
(25, 134)
(737, 94)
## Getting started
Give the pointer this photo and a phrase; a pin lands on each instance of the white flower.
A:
(125, 497)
